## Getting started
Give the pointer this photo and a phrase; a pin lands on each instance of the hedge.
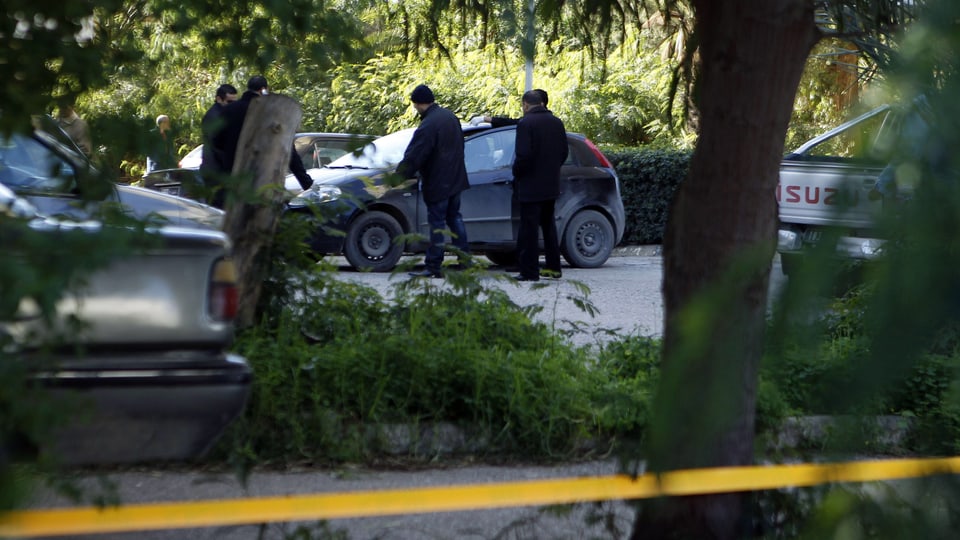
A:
(648, 180)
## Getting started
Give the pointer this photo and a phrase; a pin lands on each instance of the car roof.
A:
(329, 135)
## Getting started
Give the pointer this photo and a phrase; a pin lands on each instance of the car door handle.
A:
(576, 178)
(503, 182)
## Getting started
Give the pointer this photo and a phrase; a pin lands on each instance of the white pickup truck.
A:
(829, 184)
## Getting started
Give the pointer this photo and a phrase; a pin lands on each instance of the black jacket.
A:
(541, 149)
(211, 124)
(436, 151)
(500, 121)
(227, 139)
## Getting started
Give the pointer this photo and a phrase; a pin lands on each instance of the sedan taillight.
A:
(223, 291)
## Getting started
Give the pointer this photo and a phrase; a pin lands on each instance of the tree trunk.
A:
(253, 209)
(719, 243)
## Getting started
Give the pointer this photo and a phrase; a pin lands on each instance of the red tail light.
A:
(604, 162)
(222, 302)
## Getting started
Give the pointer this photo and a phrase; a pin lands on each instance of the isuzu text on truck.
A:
(830, 183)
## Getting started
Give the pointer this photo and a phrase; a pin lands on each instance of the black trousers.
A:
(535, 217)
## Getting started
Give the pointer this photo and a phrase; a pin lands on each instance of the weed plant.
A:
(336, 365)
(820, 365)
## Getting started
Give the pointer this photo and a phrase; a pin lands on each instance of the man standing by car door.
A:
(541, 149)
(436, 151)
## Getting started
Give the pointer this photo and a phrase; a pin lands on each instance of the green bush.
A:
(341, 360)
(336, 364)
(827, 366)
(648, 179)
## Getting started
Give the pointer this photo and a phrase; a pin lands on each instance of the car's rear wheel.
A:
(502, 258)
(371, 242)
(588, 240)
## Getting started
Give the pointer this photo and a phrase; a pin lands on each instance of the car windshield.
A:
(25, 163)
(383, 153)
(193, 159)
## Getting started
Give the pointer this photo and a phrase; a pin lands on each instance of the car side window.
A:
(571, 160)
(317, 152)
(490, 151)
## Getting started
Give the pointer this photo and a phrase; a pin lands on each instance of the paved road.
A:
(626, 292)
(509, 523)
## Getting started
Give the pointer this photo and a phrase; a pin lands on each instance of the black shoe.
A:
(547, 273)
(426, 273)
(522, 277)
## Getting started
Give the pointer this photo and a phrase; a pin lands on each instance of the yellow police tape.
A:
(142, 517)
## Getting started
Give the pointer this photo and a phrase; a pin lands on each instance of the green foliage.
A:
(924, 508)
(167, 59)
(648, 180)
(342, 361)
(618, 101)
(630, 371)
(135, 61)
(831, 86)
(827, 367)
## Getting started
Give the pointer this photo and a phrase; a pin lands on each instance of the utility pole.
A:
(530, 45)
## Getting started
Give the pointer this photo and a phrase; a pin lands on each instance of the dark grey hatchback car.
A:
(363, 217)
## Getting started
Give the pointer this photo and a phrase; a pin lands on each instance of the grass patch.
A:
(338, 364)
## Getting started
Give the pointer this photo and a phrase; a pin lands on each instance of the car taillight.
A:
(604, 162)
(223, 291)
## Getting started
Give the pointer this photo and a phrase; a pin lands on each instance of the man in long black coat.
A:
(211, 166)
(541, 149)
(436, 151)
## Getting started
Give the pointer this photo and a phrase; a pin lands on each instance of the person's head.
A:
(163, 122)
(226, 93)
(258, 84)
(65, 105)
(543, 94)
(533, 98)
(422, 98)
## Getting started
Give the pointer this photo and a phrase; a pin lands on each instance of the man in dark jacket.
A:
(211, 166)
(229, 137)
(541, 149)
(160, 152)
(436, 152)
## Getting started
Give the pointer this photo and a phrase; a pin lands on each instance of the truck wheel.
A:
(588, 240)
(371, 242)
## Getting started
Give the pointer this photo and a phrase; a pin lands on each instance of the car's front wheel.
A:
(588, 240)
(371, 242)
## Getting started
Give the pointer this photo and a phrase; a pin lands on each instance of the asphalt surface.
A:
(569, 522)
(624, 293)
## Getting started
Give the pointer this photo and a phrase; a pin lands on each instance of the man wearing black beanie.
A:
(436, 152)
